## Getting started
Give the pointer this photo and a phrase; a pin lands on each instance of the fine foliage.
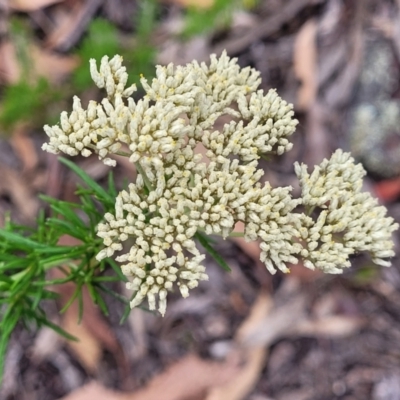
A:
(27, 255)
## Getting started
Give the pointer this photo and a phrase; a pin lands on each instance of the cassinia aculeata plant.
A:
(177, 193)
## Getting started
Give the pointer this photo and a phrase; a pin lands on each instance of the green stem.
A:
(146, 179)
(236, 234)
(122, 153)
(264, 157)
(310, 210)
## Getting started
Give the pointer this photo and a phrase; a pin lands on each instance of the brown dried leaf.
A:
(23, 146)
(93, 332)
(261, 307)
(318, 146)
(31, 5)
(281, 319)
(47, 342)
(188, 378)
(72, 25)
(88, 349)
(243, 382)
(95, 390)
(388, 190)
(201, 4)
(10, 71)
(54, 67)
(333, 326)
(305, 64)
(14, 185)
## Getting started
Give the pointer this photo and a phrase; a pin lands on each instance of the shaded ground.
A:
(317, 337)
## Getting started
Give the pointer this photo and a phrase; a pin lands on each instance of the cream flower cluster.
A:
(100, 128)
(178, 195)
(348, 222)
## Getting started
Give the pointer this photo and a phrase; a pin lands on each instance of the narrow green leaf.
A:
(67, 210)
(125, 315)
(119, 297)
(97, 299)
(116, 269)
(111, 185)
(80, 306)
(20, 241)
(213, 253)
(57, 329)
(39, 294)
(99, 191)
(205, 237)
(77, 293)
(17, 263)
(67, 228)
(6, 329)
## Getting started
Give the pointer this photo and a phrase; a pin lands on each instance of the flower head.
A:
(178, 194)
(349, 221)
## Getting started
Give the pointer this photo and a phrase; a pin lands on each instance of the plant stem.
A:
(264, 157)
(146, 180)
(236, 234)
(122, 153)
(310, 210)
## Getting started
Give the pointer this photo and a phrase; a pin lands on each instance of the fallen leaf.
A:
(265, 324)
(283, 317)
(87, 349)
(234, 379)
(244, 381)
(93, 332)
(46, 343)
(52, 66)
(318, 145)
(339, 93)
(186, 379)
(15, 186)
(9, 66)
(95, 390)
(266, 28)
(199, 4)
(23, 146)
(333, 326)
(31, 5)
(261, 307)
(72, 24)
(305, 64)
(388, 190)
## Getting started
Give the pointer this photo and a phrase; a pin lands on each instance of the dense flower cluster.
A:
(334, 187)
(100, 128)
(177, 194)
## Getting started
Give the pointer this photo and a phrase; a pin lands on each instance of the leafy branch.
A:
(27, 255)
